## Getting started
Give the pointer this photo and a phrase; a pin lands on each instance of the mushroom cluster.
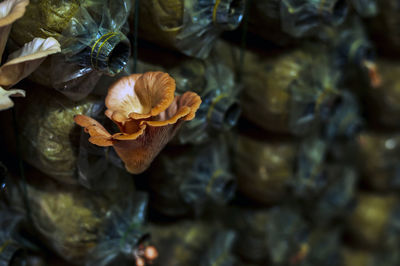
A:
(148, 114)
(24, 61)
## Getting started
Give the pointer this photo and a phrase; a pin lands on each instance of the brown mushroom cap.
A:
(10, 11)
(147, 114)
(140, 96)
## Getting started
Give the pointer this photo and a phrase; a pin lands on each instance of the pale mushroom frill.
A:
(24, 61)
(148, 114)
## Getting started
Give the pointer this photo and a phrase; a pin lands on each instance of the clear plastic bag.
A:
(219, 110)
(287, 234)
(346, 120)
(291, 92)
(97, 167)
(207, 245)
(204, 21)
(91, 37)
(219, 252)
(264, 169)
(49, 134)
(282, 21)
(79, 224)
(250, 244)
(323, 248)
(302, 17)
(210, 176)
(277, 236)
(337, 197)
(326, 190)
(9, 222)
(76, 83)
(189, 181)
(309, 176)
(353, 53)
(123, 239)
(55, 145)
(191, 26)
(350, 42)
(313, 95)
(16, 250)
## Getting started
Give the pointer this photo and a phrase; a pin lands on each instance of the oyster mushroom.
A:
(148, 115)
(24, 61)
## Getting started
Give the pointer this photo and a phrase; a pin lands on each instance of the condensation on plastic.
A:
(123, 235)
(191, 26)
(219, 110)
(301, 17)
(186, 183)
(365, 8)
(72, 220)
(91, 38)
(49, 134)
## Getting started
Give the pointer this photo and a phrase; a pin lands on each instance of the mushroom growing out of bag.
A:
(24, 61)
(148, 115)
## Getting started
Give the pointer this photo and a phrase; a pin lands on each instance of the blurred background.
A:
(292, 157)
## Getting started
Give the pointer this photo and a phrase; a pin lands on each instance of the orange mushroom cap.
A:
(148, 115)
